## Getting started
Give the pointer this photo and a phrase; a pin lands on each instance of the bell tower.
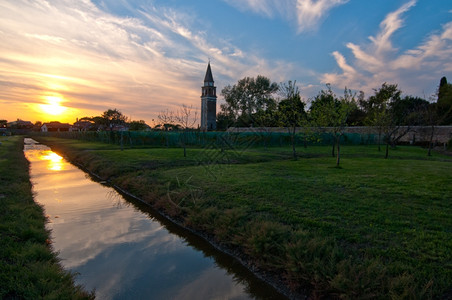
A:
(208, 102)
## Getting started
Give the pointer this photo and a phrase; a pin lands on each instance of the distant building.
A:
(82, 125)
(20, 127)
(20, 124)
(208, 102)
(55, 127)
(118, 127)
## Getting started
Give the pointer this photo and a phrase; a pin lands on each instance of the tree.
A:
(3, 123)
(329, 111)
(377, 107)
(138, 125)
(186, 118)
(440, 112)
(113, 117)
(267, 118)
(357, 114)
(409, 110)
(248, 97)
(166, 118)
(386, 95)
(405, 113)
(224, 120)
(86, 119)
(393, 115)
(445, 102)
(99, 122)
(432, 119)
(291, 110)
(37, 126)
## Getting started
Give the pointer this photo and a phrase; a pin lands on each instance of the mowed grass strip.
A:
(28, 267)
(379, 228)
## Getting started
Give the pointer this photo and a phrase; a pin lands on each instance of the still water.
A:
(124, 250)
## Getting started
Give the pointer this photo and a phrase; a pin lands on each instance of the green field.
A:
(28, 267)
(373, 228)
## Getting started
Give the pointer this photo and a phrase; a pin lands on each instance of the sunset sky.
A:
(63, 59)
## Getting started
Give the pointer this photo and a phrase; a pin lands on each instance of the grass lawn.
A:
(28, 267)
(375, 227)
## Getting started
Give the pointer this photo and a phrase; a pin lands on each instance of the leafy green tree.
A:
(394, 115)
(445, 102)
(357, 114)
(224, 121)
(320, 107)
(403, 114)
(268, 117)
(246, 98)
(291, 110)
(328, 111)
(377, 108)
(432, 119)
(439, 112)
(138, 125)
(99, 122)
(409, 111)
(113, 117)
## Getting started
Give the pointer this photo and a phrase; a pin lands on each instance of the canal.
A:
(124, 250)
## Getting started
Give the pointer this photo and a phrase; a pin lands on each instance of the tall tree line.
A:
(259, 102)
(254, 102)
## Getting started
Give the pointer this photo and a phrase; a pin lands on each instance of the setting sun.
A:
(53, 106)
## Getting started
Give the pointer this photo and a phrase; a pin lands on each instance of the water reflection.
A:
(122, 252)
(55, 162)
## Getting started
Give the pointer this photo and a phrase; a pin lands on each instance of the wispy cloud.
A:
(306, 14)
(392, 22)
(95, 60)
(311, 12)
(262, 7)
(380, 61)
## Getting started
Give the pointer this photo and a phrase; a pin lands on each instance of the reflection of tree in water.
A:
(116, 199)
(253, 286)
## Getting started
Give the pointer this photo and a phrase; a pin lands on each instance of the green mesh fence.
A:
(132, 139)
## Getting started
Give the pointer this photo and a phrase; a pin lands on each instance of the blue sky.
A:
(64, 59)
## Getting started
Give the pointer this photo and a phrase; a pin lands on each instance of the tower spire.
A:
(208, 77)
(208, 101)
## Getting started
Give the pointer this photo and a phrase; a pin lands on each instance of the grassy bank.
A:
(28, 267)
(374, 228)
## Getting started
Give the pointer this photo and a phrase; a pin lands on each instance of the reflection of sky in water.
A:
(118, 250)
